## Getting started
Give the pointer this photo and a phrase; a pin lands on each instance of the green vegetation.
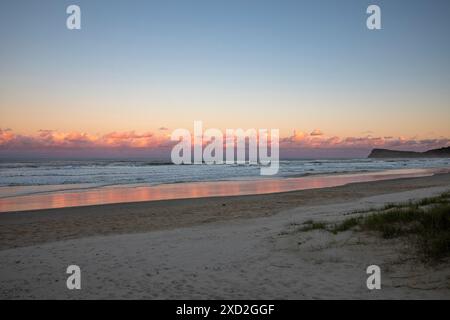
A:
(346, 225)
(426, 222)
(311, 225)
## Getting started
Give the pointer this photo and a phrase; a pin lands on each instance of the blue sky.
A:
(305, 65)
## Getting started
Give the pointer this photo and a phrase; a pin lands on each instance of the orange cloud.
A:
(51, 139)
(6, 135)
(298, 136)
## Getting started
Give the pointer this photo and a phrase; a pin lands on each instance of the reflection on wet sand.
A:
(120, 194)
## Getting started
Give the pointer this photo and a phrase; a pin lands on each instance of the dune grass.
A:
(426, 222)
(311, 225)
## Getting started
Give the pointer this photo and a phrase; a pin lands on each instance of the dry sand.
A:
(232, 247)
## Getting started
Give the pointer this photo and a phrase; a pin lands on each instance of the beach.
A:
(218, 247)
(224, 150)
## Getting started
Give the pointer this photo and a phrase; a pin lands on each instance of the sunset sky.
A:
(139, 69)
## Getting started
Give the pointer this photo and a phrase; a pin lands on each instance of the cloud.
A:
(6, 135)
(52, 139)
(316, 132)
(75, 140)
(297, 141)
(297, 137)
(163, 128)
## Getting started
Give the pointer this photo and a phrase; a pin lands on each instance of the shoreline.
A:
(25, 228)
(254, 251)
(196, 190)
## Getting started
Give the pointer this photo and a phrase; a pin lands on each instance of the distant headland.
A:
(433, 153)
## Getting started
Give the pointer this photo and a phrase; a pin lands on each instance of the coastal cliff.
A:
(433, 153)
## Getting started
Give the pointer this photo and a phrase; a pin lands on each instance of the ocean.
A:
(29, 177)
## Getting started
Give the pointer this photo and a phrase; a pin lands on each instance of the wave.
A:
(118, 172)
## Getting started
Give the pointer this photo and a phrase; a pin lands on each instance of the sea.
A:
(20, 177)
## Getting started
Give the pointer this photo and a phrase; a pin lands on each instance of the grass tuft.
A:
(311, 225)
(345, 225)
(426, 221)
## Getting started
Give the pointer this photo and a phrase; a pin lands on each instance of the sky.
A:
(137, 70)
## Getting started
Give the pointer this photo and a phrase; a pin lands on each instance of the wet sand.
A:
(138, 193)
(227, 247)
(18, 229)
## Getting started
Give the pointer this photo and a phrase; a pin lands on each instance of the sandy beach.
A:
(219, 247)
(224, 150)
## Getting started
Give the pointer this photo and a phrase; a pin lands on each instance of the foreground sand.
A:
(236, 247)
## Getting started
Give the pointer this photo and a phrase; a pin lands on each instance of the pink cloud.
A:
(367, 142)
(76, 140)
(51, 139)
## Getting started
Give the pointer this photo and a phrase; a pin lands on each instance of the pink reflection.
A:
(194, 190)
